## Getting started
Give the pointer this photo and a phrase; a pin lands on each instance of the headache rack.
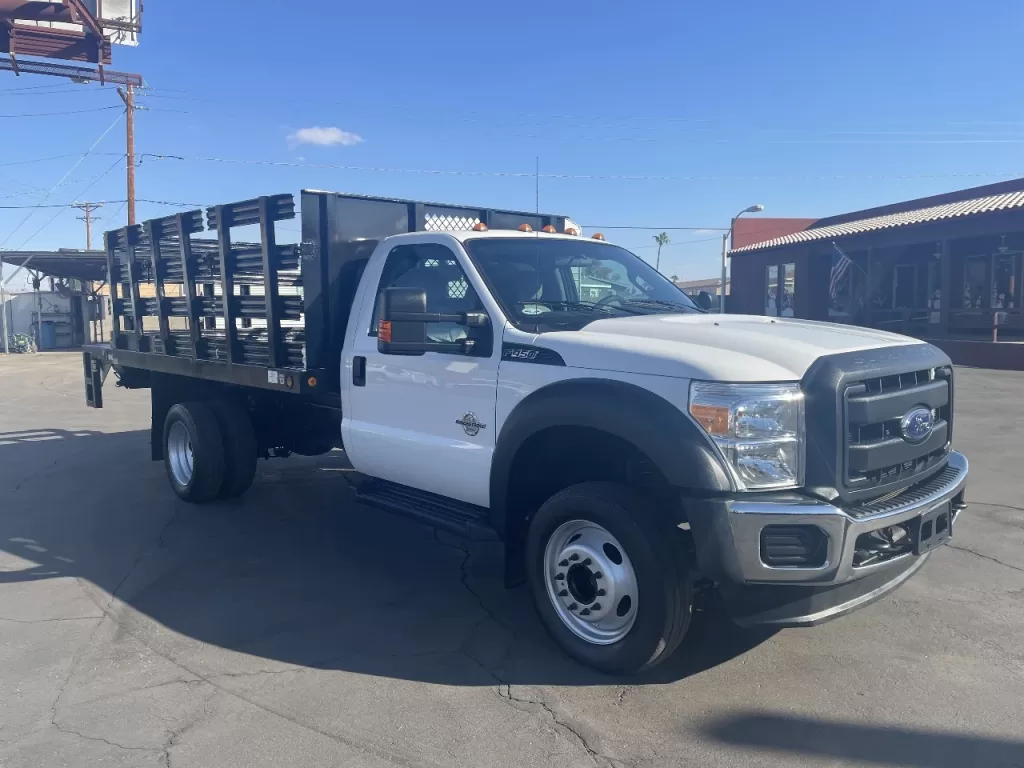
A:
(253, 311)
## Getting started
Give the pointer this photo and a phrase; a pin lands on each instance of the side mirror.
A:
(704, 300)
(397, 332)
(402, 325)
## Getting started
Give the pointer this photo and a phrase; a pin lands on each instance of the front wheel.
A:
(611, 586)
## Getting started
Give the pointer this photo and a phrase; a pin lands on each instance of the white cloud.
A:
(324, 136)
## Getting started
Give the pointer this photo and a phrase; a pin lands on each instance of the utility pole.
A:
(88, 208)
(128, 97)
(3, 308)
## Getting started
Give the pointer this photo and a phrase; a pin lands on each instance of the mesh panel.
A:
(435, 222)
(457, 288)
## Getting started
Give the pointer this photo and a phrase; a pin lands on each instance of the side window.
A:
(434, 269)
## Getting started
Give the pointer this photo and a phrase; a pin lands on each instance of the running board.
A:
(458, 517)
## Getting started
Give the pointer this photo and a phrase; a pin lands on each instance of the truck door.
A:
(425, 421)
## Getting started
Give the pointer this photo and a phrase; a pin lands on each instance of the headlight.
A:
(759, 428)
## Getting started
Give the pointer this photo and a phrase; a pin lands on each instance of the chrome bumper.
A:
(746, 519)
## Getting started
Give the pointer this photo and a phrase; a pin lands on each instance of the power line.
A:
(58, 213)
(39, 190)
(54, 89)
(71, 112)
(591, 121)
(575, 176)
(29, 88)
(62, 178)
(37, 160)
(106, 202)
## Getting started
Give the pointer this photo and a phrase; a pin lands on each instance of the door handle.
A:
(359, 371)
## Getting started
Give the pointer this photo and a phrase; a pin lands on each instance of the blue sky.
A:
(808, 108)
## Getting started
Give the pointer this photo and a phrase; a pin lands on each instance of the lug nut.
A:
(596, 606)
(598, 575)
(573, 606)
(585, 612)
(563, 564)
(559, 576)
(600, 593)
(563, 593)
(586, 562)
(574, 557)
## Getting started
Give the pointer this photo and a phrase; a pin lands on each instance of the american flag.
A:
(840, 266)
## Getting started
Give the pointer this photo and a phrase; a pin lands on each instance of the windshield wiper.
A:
(661, 303)
(566, 305)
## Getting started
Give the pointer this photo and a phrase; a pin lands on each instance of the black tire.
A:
(661, 563)
(207, 447)
(240, 450)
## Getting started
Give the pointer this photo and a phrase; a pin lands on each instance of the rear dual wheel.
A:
(611, 583)
(209, 450)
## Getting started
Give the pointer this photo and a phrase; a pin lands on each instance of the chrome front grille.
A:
(876, 453)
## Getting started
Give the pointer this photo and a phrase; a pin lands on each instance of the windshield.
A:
(547, 284)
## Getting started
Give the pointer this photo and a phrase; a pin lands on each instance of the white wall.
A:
(21, 306)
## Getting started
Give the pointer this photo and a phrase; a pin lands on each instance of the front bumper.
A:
(727, 533)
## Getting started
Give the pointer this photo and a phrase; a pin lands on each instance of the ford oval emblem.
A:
(917, 424)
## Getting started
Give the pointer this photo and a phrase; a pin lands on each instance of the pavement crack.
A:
(158, 544)
(47, 621)
(258, 672)
(504, 688)
(560, 724)
(976, 503)
(464, 580)
(79, 734)
(177, 733)
(985, 557)
(351, 740)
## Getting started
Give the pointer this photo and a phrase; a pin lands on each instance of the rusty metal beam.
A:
(69, 71)
(53, 44)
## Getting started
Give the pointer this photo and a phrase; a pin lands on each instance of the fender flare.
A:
(668, 437)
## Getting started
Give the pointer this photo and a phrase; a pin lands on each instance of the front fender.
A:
(669, 438)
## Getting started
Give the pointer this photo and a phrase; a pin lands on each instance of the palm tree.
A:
(661, 240)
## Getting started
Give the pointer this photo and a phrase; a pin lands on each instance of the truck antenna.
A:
(536, 178)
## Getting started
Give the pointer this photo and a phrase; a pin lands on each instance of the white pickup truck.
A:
(496, 373)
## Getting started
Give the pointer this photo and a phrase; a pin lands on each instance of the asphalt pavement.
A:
(294, 627)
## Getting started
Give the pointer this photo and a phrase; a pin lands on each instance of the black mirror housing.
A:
(402, 325)
(704, 300)
(397, 332)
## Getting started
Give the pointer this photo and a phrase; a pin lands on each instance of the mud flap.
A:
(93, 370)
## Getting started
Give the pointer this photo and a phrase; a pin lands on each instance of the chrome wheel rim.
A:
(590, 582)
(179, 453)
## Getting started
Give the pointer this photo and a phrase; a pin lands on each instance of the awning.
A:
(77, 265)
(952, 210)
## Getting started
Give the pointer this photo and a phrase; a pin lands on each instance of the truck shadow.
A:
(827, 740)
(295, 572)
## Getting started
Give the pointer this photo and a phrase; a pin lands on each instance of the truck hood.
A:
(714, 347)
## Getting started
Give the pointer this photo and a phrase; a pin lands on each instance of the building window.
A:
(974, 282)
(1004, 280)
(788, 290)
(779, 294)
(771, 299)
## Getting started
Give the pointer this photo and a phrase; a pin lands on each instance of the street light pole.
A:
(726, 241)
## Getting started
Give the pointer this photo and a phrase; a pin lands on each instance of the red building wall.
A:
(756, 229)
